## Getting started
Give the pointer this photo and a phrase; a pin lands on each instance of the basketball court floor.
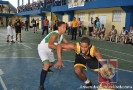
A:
(20, 65)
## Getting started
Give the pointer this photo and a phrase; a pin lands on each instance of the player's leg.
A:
(16, 33)
(46, 57)
(11, 35)
(19, 32)
(7, 38)
(8, 33)
(79, 65)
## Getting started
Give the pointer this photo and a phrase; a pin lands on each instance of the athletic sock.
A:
(87, 81)
(42, 77)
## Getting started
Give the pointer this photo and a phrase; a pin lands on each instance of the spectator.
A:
(112, 34)
(74, 28)
(45, 25)
(69, 27)
(91, 24)
(26, 25)
(34, 25)
(79, 27)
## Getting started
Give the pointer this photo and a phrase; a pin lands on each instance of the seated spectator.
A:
(94, 32)
(130, 35)
(112, 34)
(123, 35)
(101, 32)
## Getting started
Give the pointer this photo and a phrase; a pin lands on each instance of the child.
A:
(46, 47)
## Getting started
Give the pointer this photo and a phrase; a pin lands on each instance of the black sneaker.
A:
(89, 86)
(7, 40)
(12, 42)
(50, 71)
(41, 88)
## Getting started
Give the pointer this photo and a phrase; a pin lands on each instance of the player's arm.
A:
(51, 42)
(60, 47)
(98, 55)
(65, 40)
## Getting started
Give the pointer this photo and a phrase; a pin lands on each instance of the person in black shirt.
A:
(18, 28)
(34, 25)
(26, 25)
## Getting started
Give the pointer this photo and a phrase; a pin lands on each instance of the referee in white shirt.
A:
(91, 24)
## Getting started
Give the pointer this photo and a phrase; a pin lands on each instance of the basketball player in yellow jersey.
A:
(85, 54)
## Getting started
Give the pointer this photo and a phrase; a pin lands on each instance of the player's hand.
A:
(59, 64)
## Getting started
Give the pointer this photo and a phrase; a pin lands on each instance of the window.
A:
(82, 17)
(117, 16)
(91, 14)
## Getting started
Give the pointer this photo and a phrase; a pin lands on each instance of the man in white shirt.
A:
(69, 27)
(91, 24)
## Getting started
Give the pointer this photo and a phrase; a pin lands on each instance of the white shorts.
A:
(9, 31)
(45, 54)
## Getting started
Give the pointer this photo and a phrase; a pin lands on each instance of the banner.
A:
(75, 3)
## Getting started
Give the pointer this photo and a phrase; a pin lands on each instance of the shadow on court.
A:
(24, 74)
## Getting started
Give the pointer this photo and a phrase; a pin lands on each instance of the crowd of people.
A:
(31, 6)
(5, 9)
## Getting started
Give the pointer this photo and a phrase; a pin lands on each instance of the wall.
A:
(35, 17)
(108, 13)
(65, 18)
(53, 16)
(4, 20)
(48, 16)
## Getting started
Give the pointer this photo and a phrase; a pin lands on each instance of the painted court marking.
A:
(115, 51)
(18, 42)
(117, 58)
(2, 83)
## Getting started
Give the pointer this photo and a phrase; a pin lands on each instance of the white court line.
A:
(25, 45)
(2, 83)
(11, 50)
(18, 42)
(110, 50)
(114, 51)
(117, 58)
(118, 69)
(57, 59)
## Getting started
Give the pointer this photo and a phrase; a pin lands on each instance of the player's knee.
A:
(46, 66)
(77, 70)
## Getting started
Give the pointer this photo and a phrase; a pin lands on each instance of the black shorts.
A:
(81, 61)
(18, 30)
(37, 24)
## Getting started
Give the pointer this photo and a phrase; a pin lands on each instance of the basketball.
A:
(106, 86)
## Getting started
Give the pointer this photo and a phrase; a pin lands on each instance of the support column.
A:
(129, 16)
(28, 1)
(70, 15)
(22, 2)
(42, 18)
(18, 2)
(6, 20)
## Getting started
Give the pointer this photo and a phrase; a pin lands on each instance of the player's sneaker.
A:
(12, 41)
(50, 71)
(89, 86)
(7, 40)
(41, 88)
